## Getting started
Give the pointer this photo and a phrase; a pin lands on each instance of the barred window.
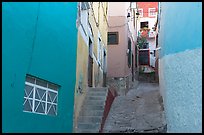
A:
(40, 96)
(152, 11)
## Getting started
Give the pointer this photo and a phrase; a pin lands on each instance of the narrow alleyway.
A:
(140, 110)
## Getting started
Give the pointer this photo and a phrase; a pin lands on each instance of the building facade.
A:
(38, 66)
(121, 45)
(146, 24)
(91, 50)
(180, 65)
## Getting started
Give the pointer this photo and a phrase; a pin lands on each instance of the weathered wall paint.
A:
(117, 54)
(83, 53)
(145, 6)
(117, 62)
(81, 75)
(53, 58)
(180, 65)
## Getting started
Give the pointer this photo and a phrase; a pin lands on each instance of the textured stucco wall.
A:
(81, 76)
(98, 16)
(92, 31)
(181, 74)
(180, 65)
(52, 57)
(117, 53)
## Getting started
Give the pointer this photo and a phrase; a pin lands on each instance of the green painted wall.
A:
(51, 26)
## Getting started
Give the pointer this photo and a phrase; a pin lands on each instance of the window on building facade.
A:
(144, 24)
(129, 52)
(152, 12)
(40, 96)
(82, 19)
(140, 10)
(99, 51)
(85, 6)
(113, 38)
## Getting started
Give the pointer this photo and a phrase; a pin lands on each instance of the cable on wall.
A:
(34, 39)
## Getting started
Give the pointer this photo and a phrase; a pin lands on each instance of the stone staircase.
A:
(91, 114)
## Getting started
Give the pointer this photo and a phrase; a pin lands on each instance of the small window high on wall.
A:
(40, 96)
(140, 10)
(152, 12)
(113, 38)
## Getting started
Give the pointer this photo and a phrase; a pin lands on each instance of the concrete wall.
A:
(180, 64)
(38, 39)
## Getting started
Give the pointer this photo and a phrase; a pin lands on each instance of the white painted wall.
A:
(118, 8)
(152, 47)
(152, 42)
(151, 23)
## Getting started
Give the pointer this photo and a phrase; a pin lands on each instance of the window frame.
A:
(99, 51)
(35, 91)
(117, 38)
(149, 11)
(140, 15)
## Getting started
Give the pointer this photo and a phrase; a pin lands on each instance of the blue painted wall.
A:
(39, 38)
(181, 24)
(180, 65)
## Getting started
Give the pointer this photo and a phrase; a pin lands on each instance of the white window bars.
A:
(40, 99)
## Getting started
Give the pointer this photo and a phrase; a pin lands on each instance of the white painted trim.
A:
(141, 13)
(149, 13)
(34, 85)
(33, 107)
(94, 57)
(40, 87)
(89, 32)
(85, 37)
(159, 48)
(83, 25)
(46, 103)
(99, 49)
(143, 49)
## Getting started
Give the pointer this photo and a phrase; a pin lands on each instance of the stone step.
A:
(98, 89)
(93, 107)
(87, 131)
(88, 126)
(89, 119)
(94, 102)
(103, 98)
(100, 93)
(86, 112)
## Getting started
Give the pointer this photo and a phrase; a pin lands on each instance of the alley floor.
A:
(140, 110)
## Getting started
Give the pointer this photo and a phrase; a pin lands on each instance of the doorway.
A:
(132, 68)
(90, 65)
(104, 68)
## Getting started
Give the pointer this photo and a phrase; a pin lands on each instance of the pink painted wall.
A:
(117, 54)
(117, 57)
